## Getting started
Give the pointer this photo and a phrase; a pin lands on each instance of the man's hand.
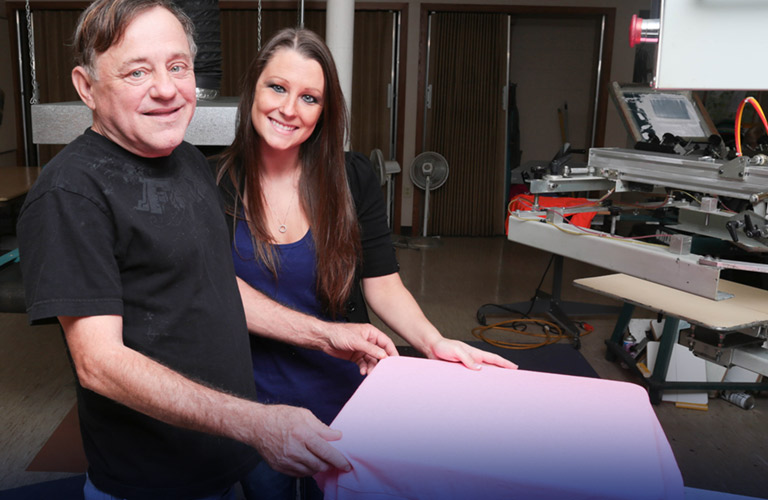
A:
(361, 343)
(293, 441)
(471, 357)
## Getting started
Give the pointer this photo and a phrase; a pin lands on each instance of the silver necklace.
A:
(281, 225)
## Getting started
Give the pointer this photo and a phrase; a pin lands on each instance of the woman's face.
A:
(288, 100)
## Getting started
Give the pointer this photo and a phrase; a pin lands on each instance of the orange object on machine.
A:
(524, 202)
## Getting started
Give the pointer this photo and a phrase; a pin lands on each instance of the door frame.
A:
(602, 66)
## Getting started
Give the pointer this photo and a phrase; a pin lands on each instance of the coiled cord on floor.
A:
(552, 333)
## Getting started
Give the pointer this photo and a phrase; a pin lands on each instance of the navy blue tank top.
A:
(284, 373)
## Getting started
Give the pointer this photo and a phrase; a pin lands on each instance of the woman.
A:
(309, 227)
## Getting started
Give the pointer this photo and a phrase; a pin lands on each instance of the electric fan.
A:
(429, 171)
(384, 171)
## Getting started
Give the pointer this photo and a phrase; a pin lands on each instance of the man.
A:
(123, 240)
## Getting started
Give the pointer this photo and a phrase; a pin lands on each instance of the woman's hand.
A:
(471, 357)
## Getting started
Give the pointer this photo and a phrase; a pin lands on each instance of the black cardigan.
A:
(378, 252)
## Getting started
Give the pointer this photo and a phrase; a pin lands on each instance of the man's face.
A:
(144, 96)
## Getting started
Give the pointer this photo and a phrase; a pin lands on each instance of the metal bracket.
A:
(735, 169)
(734, 264)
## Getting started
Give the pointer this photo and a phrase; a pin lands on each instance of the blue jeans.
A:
(265, 483)
(90, 492)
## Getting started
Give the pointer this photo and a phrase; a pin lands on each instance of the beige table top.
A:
(16, 181)
(748, 306)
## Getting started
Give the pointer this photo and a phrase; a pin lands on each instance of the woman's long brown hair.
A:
(323, 190)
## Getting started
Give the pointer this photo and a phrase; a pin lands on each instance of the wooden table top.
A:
(748, 306)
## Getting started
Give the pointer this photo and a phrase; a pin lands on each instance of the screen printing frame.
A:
(635, 103)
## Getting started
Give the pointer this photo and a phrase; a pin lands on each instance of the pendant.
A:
(282, 228)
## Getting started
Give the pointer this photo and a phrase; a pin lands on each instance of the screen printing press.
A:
(697, 215)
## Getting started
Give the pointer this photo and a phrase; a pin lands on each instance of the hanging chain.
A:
(258, 43)
(31, 43)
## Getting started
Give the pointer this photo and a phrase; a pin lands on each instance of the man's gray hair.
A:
(103, 25)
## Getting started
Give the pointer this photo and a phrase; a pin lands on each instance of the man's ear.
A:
(83, 83)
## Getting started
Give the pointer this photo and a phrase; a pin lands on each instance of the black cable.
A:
(538, 287)
(506, 308)
(525, 315)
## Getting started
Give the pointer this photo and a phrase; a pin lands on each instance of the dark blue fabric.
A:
(69, 488)
(295, 283)
(284, 373)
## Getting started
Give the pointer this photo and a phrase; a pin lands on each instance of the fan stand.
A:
(385, 169)
(425, 241)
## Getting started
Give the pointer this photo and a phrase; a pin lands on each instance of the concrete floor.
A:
(723, 449)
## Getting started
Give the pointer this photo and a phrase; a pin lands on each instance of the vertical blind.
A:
(466, 123)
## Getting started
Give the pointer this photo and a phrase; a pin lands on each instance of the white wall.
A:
(552, 64)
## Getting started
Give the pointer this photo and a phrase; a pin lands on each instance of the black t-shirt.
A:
(105, 232)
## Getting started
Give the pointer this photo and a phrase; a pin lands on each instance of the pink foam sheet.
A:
(425, 429)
